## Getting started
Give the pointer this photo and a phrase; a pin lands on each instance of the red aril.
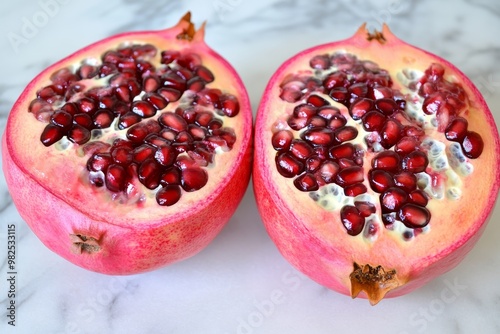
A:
(120, 163)
(406, 186)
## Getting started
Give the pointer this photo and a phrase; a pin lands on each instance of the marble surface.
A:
(240, 283)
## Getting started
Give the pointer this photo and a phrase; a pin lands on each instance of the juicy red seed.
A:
(415, 162)
(107, 102)
(300, 149)
(168, 195)
(229, 105)
(149, 173)
(165, 155)
(203, 118)
(226, 134)
(181, 137)
(472, 145)
(406, 181)
(290, 95)
(328, 171)
(137, 133)
(170, 94)
(336, 80)
(83, 120)
(155, 140)
(282, 140)
(202, 156)
(48, 94)
(339, 94)
(78, 134)
(318, 136)
(190, 60)
(143, 152)
(456, 130)
(358, 90)
(304, 110)
(173, 80)
(344, 163)
(320, 62)
(87, 105)
(373, 121)
(386, 106)
(128, 119)
(193, 179)
(360, 108)
(171, 176)
(317, 101)
(418, 197)
(123, 93)
(388, 219)
(62, 119)
(288, 166)
(143, 109)
(380, 92)
(414, 216)
(327, 112)
(386, 160)
(103, 118)
(151, 83)
(115, 178)
(352, 220)
(172, 121)
(306, 182)
(87, 71)
(406, 145)
(436, 70)
(38, 105)
(345, 150)
(189, 114)
(392, 199)
(313, 163)
(345, 134)
(349, 176)
(365, 208)
(106, 69)
(51, 134)
(432, 103)
(413, 131)
(156, 100)
(99, 162)
(169, 56)
(195, 84)
(198, 133)
(297, 123)
(316, 122)
(355, 190)
(184, 73)
(380, 180)
(390, 133)
(337, 121)
(204, 73)
(122, 155)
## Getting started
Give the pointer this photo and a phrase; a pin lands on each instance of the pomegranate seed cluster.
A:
(319, 146)
(165, 150)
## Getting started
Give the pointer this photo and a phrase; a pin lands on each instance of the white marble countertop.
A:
(231, 286)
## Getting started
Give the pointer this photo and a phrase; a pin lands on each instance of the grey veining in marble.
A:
(240, 283)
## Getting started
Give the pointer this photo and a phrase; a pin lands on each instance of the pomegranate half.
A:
(131, 153)
(376, 164)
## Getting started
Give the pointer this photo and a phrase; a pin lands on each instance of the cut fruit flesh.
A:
(307, 226)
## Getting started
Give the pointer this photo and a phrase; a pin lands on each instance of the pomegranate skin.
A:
(315, 242)
(88, 229)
